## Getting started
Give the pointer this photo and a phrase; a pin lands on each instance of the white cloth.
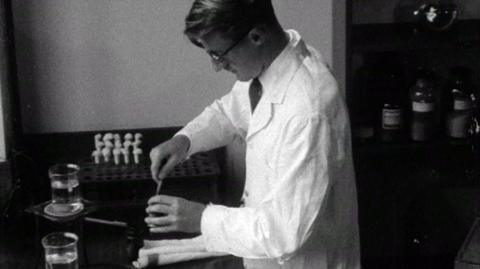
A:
(300, 203)
(162, 252)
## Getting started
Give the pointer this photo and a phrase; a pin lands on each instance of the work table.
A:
(105, 246)
(120, 197)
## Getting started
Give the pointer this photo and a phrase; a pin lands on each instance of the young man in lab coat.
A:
(300, 205)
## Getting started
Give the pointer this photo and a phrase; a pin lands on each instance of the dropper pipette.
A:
(159, 185)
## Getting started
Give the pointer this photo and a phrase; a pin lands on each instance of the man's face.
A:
(240, 56)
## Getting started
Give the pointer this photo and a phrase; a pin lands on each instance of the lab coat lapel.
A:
(275, 84)
(260, 119)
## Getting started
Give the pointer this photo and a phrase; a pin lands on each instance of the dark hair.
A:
(232, 17)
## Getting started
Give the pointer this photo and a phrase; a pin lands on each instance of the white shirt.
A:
(300, 203)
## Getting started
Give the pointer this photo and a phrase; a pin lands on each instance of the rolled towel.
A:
(160, 252)
(190, 242)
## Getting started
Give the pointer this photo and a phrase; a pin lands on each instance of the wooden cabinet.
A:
(417, 200)
(416, 203)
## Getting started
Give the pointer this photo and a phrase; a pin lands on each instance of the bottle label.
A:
(457, 125)
(392, 119)
(459, 104)
(422, 107)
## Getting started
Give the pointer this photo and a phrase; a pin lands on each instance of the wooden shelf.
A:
(464, 34)
(415, 198)
(375, 145)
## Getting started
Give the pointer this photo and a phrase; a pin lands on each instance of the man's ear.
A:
(257, 36)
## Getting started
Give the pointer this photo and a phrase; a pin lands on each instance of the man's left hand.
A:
(173, 214)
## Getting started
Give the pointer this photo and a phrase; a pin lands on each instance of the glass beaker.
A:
(60, 250)
(423, 107)
(65, 188)
(432, 15)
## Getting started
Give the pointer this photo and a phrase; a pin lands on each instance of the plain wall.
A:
(3, 153)
(339, 43)
(3, 79)
(123, 64)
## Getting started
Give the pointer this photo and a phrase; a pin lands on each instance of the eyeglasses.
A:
(219, 57)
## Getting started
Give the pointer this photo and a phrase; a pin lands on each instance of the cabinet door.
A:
(410, 211)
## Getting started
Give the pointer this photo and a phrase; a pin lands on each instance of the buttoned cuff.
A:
(211, 228)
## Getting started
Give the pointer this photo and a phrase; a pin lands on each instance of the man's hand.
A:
(173, 214)
(165, 156)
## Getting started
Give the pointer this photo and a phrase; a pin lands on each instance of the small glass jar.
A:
(392, 117)
(363, 107)
(423, 99)
(459, 103)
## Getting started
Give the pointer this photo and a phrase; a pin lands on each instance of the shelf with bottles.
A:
(391, 109)
(464, 34)
(404, 143)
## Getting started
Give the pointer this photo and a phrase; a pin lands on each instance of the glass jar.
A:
(363, 108)
(392, 111)
(459, 103)
(423, 99)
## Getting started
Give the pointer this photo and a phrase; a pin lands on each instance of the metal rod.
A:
(107, 222)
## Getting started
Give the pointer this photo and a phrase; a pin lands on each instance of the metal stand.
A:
(75, 223)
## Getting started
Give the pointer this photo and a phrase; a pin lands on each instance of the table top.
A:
(105, 246)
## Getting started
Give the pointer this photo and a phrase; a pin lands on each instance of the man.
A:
(300, 208)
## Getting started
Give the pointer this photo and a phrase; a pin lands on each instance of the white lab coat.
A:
(300, 203)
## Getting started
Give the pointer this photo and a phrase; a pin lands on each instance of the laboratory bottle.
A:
(423, 99)
(392, 110)
(363, 110)
(459, 103)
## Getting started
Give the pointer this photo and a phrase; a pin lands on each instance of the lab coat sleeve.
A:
(213, 128)
(285, 219)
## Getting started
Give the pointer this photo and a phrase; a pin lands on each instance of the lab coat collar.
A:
(275, 81)
(276, 78)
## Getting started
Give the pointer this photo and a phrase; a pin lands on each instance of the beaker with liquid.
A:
(60, 250)
(65, 188)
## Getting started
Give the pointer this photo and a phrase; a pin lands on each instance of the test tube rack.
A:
(110, 182)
